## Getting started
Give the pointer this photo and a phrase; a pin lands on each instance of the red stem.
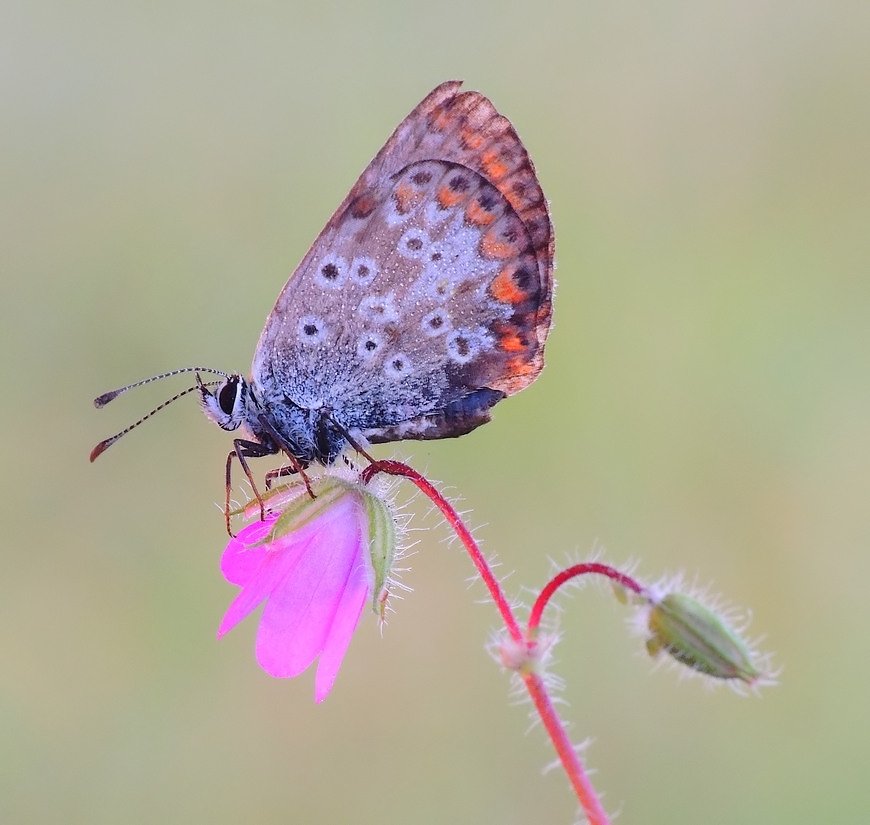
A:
(534, 684)
(578, 777)
(397, 468)
(564, 576)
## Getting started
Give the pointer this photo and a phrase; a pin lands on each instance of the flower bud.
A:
(696, 636)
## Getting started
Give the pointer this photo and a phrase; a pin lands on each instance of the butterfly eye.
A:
(227, 396)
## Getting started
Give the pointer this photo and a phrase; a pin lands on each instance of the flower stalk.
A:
(526, 640)
(316, 561)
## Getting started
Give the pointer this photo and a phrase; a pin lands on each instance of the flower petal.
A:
(347, 615)
(275, 564)
(241, 559)
(300, 611)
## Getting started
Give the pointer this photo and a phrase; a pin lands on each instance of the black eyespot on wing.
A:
(523, 278)
(487, 201)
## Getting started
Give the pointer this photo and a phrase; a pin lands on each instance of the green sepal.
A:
(699, 639)
(267, 496)
(304, 509)
(382, 547)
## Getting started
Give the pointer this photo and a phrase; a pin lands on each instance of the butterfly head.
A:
(227, 406)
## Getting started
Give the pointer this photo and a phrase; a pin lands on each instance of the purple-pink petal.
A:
(300, 611)
(241, 559)
(315, 581)
(274, 563)
(347, 615)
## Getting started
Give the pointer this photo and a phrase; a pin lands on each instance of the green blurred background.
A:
(705, 407)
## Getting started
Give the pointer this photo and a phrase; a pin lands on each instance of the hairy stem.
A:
(554, 726)
(564, 576)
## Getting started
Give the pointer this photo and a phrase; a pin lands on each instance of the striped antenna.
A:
(101, 400)
(108, 442)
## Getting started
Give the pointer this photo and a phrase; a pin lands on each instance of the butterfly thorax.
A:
(309, 433)
(276, 422)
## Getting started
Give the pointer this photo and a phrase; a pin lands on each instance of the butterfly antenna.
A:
(108, 442)
(101, 400)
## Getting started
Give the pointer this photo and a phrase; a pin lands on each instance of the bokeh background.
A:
(705, 407)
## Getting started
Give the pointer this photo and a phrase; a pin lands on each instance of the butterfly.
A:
(425, 300)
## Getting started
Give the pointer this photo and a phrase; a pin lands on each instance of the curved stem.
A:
(554, 726)
(564, 576)
(397, 468)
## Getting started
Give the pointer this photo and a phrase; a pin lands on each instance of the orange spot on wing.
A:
(363, 206)
(493, 165)
(478, 215)
(447, 197)
(518, 366)
(515, 200)
(494, 247)
(504, 289)
(472, 139)
(511, 342)
(404, 196)
(442, 120)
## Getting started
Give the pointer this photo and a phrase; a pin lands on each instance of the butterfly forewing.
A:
(426, 298)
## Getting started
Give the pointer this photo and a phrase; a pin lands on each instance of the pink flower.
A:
(315, 563)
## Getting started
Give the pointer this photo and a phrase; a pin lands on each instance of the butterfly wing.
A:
(427, 297)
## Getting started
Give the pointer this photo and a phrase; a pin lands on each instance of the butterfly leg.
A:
(289, 471)
(243, 450)
(321, 427)
(279, 473)
(296, 466)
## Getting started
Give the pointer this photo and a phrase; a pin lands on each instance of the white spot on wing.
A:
(435, 214)
(363, 270)
(310, 330)
(397, 366)
(414, 243)
(379, 309)
(435, 323)
(464, 345)
(331, 271)
(370, 345)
